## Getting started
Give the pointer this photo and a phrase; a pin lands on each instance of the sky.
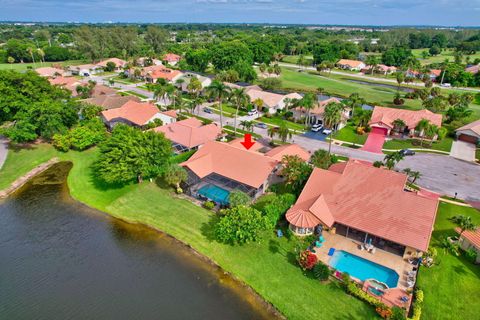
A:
(345, 12)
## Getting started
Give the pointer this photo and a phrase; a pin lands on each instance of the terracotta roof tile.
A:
(288, 149)
(136, 112)
(411, 117)
(472, 236)
(190, 132)
(474, 126)
(369, 199)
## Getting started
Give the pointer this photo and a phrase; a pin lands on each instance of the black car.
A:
(207, 110)
(407, 152)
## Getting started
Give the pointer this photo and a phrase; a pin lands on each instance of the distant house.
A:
(136, 114)
(470, 240)
(119, 63)
(189, 134)
(69, 83)
(384, 69)
(85, 70)
(271, 101)
(218, 168)
(354, 65)
(383, 119)
(469, 133)
(142, 61)
(473, 69)
(434, 74)
(110, 101)
(366, 204)
(102, 90)
(152, 74)
(171, 58)
(187, 76)
(50, 72)
(317, 113)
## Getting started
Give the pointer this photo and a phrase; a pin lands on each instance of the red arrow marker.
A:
(247, 142)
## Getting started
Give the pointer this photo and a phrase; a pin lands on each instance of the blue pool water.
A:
(215, 193)
(363, 269)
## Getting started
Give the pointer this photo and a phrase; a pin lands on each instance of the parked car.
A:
(252, 112)
(327, 131)
(317, 127)
(407, 152)
(261, 125)
(207, 110)
(446, 85)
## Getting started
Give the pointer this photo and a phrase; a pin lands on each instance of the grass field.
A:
(443, 145)
(276, 121)
(133, 93)
(25, 66)
(269, 265)
(294, 59)
(451, 288)
(446, 54)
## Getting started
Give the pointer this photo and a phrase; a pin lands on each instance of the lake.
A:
(62, 260)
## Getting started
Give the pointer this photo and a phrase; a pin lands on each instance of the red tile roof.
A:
(288, 149)
(49, 71)
(472, 236)
(171, 57)
(190, 132)
(119, 63)
(249, 168)
(156, 72)
(473, 126)
(369, 199)
(351, 63)
(387, 116)
(138, 113)
(473, 69)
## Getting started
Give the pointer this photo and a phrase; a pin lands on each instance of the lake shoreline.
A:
(269, 307)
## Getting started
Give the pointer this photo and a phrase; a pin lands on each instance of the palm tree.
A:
(41, 53)
(240, 99)
(307, 103)
(372, 61)
(30, 51)
(354, 101)
(393, 158)
(281, 131)
(194, 86)
(464, 223)
(331, 118)
(398, 124)
(11, 60)
(415, 175)
(421, 126)
(159, 92)
(400, 79)
(192, 104)
(218, 91)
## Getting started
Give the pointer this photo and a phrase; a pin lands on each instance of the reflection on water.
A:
(62, 260)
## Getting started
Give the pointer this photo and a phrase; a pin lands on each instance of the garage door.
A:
(467, 138)
(379, 130)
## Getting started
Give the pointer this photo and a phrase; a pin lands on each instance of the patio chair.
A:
(373, 250)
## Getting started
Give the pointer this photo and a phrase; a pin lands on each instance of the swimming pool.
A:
(215, 193)
(363, 269)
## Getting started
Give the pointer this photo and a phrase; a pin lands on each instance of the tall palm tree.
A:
(41, 53)
(240, 99)
(421, 127)
(30, 51)
(464, 223)
(354, 101)
(159, 92)
(281, 131)
(308, 102)
(372, 61)
(398, 124)
(218, 91)
(331, 118)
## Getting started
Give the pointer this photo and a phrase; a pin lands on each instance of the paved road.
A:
(440, 173)
(373, 79)
(3, 151)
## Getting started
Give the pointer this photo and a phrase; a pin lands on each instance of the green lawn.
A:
(25, 66)
(241, 132)
(276, 121)
(133, 93)
(294, 59)
(349, 134)
(442, 145)
(446, 54)
(451, 288)
(268, 266)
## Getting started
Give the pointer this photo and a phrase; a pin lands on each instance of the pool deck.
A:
(392, 296)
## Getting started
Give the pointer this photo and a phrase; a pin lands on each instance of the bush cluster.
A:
(88, 133)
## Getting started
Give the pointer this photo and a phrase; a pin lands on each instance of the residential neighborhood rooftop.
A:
(111, 102)
(190, 132)
(50, 71)
(138, 113)
(473, 126)
(366, 198)
(411, 118)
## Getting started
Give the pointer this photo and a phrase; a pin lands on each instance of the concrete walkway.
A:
(463, 150)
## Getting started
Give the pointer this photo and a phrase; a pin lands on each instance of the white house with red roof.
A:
(137, 114)
(470, 240)
(366, 204)
(218, 168)
(348, 64)
(171, 58)
(119, 63)
(383, 119)
(317, 113)
(189, 134)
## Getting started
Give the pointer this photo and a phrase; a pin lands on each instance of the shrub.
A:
(87, 134)
(174, 175)
(307, 260)
(238, 198)
(355, 291)
(397, 314)
(384, 311)
(321, 271)
(471, 254)
(209, 205)
(240, 225)
(277, 207)
(61, 142)
(378, 164)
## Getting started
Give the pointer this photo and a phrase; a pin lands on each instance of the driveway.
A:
(3, 151)
(375, 141)
(463, 150)
(445, 175)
